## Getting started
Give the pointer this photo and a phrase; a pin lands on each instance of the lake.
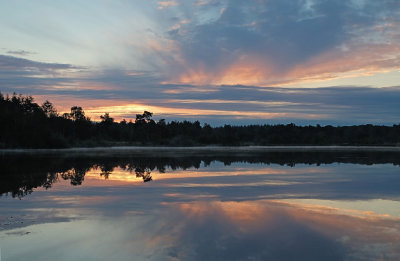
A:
(200, 204)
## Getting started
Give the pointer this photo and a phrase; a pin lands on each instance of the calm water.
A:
(200, 205)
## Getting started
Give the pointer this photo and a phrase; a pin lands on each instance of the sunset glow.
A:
(128, 56)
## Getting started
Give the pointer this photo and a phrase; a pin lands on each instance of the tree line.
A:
(26, 124)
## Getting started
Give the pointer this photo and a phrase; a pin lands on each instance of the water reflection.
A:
(241, 206)
(274, 230)
(210, 230)
(21, 173)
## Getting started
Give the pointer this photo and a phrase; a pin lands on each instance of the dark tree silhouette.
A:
(25, 124)
(106, 119)
(144, 118)
(77, 114)
(49, 109)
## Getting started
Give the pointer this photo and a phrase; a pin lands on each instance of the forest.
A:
(26, 124)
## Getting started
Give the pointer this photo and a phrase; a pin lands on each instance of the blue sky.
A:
(276, 61)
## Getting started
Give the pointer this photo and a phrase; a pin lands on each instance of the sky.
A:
(220, 62)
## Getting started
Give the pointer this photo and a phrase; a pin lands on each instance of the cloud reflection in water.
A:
(216, 211)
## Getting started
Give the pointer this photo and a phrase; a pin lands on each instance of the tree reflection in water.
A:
(143, 173)
(21, 173)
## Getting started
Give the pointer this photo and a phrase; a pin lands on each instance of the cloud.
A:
(273, 42)
(20, 52)
(243, 104)
(124, 93)
(29, 75)
(164, 4)
(24, 75)
(13, 63)
(251, 42)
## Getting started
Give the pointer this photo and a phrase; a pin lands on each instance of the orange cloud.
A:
(164, 4)
(366, 60)
(248, 71)
(349, 61)
(126, 110)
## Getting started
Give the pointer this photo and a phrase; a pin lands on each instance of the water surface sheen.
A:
(200, 205)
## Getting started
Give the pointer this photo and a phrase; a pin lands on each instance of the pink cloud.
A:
(165, 4)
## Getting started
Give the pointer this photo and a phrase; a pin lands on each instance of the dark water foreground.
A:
(206, 204)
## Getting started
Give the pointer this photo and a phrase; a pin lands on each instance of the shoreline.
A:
(207, 149)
